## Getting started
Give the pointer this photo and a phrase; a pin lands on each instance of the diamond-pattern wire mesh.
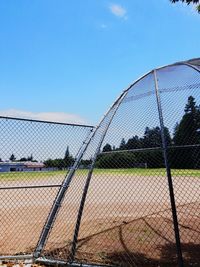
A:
(30, 179)
(183, 99)
(125, 200)
(65, 223)
(127, 219)
(23, 214)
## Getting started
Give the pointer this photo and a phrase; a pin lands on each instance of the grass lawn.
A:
(150, 172)
(19, 176)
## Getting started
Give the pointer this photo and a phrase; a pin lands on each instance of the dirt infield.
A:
(126, 217)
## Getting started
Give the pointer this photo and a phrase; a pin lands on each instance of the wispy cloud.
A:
(103, 26)
(46, 116)
(118, 10)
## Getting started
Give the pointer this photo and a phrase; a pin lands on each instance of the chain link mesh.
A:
(35, 158)
(183, 99)
(121, 183)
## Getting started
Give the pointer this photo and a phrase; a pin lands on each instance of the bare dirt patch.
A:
(127, 220)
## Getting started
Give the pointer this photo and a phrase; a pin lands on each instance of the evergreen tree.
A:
(122, 144)
(66, 153)
(68, 159)
(134, 143)
(107, 148)
(23, 159)
(152, 137)
(30, 158)
(12, 157)
(187, 133)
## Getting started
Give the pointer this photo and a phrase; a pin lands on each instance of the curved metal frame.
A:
(87, 183)
(168, 171)
(69, 177)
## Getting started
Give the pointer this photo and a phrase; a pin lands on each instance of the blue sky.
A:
(69, 60)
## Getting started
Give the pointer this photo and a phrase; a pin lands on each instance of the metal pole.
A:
(87, 183)
(46, 122)
(16, 257)
(192, 66)
(58, 200)
(65, 185)
(168, 170)
(57, 263)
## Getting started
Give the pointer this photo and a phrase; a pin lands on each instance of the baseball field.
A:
(127, 215)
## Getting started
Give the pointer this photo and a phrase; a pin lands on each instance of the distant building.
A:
(28, 166)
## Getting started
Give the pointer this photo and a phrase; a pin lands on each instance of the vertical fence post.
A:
(169, 176)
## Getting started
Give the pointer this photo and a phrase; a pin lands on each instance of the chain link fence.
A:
(35, 158)
(124, 194)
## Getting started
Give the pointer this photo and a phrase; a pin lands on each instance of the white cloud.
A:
(45, 116)
(103, 26)
(118, 11)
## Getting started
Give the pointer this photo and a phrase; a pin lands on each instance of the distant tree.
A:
(66, 153)
(23, 159)
(153, 137)
(68, 159)
(107, 148)
(1, 160)
(86, 163)
(12, 157)
(133, 143)
(116, 160)
(187, 132)
(122, 144)
(30, 158)
(55, 163)
(188, 2)
(49, 163)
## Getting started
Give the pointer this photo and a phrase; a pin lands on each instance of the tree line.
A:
(29, 158)
(60, 163)
(183, 146)
(66, 162)
(57, 163)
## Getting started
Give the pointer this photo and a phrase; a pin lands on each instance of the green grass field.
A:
(20, 176)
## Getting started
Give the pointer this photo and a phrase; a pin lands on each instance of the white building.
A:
(21, 166)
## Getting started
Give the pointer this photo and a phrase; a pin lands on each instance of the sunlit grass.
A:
(19, 176)
(150, 172)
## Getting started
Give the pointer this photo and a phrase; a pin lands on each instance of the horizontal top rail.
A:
(148, 149)
(30, 186)
(48, 122)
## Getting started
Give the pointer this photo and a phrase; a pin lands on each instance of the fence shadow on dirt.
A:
(134, 243)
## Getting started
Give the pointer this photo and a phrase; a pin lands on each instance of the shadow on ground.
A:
(147, 242)
(168, 257)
